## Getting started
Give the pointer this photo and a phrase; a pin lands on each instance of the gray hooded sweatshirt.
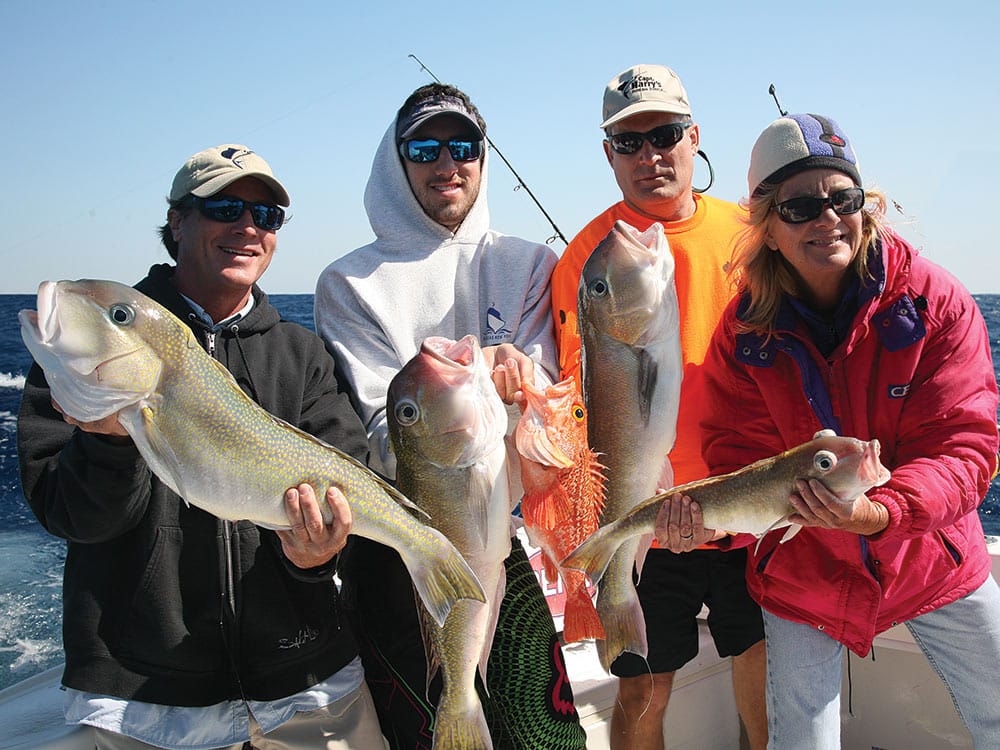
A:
(375, 305)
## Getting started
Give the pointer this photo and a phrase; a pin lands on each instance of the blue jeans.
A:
(805, 670)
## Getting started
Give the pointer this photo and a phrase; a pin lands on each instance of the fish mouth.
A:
(639, 245)
(456, 355)
(459, 366)
(43, 327)
(871, 470)
(42, 324)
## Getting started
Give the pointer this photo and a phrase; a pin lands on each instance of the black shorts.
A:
(672, 590)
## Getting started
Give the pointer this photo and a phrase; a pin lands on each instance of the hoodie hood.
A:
(397, 218)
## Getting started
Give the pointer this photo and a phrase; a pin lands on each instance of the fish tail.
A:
(581, 622)
(620, 612)
(593, 555)
(443, 578)
(461, 725)
(624, 630)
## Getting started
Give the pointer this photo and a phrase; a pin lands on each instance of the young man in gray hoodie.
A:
(437, 269)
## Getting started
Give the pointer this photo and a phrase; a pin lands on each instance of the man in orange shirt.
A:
(651, 145)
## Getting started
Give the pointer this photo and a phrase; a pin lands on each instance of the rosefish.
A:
(446, 427)
(752, 500)
(107, 348)
(563, 492)
(632, 368)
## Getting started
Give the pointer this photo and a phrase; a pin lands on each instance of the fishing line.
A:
(520, 183)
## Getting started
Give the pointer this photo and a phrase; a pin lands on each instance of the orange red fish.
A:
(563, 493)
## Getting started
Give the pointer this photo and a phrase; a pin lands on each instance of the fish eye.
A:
(579, 413)
(407, 413)
(824, 461)
(598, 288)
(121, 314)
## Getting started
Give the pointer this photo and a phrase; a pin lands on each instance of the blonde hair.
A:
(766, 276)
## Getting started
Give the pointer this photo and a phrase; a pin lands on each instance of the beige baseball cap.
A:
(644, 88)
(209, 171)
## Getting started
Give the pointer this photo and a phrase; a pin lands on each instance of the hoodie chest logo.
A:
(496, 327)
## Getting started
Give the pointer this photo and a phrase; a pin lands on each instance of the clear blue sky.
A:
(101, 101)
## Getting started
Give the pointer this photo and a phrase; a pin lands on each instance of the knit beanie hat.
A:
(795, 143)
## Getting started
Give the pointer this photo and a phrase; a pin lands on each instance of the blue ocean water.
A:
(31, 559)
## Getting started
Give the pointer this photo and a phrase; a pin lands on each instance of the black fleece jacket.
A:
(163, 602)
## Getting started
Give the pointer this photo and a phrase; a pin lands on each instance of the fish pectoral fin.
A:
(480, 489)
(648, 372)
(427, 626)
(142, 424)
(491, 629)
(793, 529)
(547, 510)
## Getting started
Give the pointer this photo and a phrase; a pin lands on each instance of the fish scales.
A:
(632, 369)
(107, 348)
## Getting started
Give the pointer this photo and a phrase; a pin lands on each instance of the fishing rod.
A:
(782, 112)
(520, 183)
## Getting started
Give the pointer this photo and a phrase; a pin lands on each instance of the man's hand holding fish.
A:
(311, 541)
(679, 526)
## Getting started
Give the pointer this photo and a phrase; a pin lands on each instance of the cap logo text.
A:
(637, 85)
(833, 139)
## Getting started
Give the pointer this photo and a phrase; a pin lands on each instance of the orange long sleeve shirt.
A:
(702, 246)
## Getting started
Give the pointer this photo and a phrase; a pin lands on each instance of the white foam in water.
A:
(31, 653)
(30, 604)
(9, 380)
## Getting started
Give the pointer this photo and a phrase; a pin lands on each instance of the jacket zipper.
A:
(227, 543)
(227, 528)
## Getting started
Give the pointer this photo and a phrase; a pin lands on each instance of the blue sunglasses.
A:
(229, 210)
(426, 150)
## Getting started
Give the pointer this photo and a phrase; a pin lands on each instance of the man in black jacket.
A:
(182, 630)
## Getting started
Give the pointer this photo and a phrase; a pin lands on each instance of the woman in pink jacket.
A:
(840, 324)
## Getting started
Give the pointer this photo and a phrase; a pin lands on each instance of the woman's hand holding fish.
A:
(679, 525)
(509, 367)
(818, 506)
(311, 542)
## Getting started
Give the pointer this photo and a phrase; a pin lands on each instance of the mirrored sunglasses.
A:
(801, 210)
(661, 138)
(228, 210)
(426, 150)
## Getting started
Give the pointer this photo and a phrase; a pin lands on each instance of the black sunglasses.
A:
(662, 137)
(426, 150)
(801, 210)
(229, 210)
